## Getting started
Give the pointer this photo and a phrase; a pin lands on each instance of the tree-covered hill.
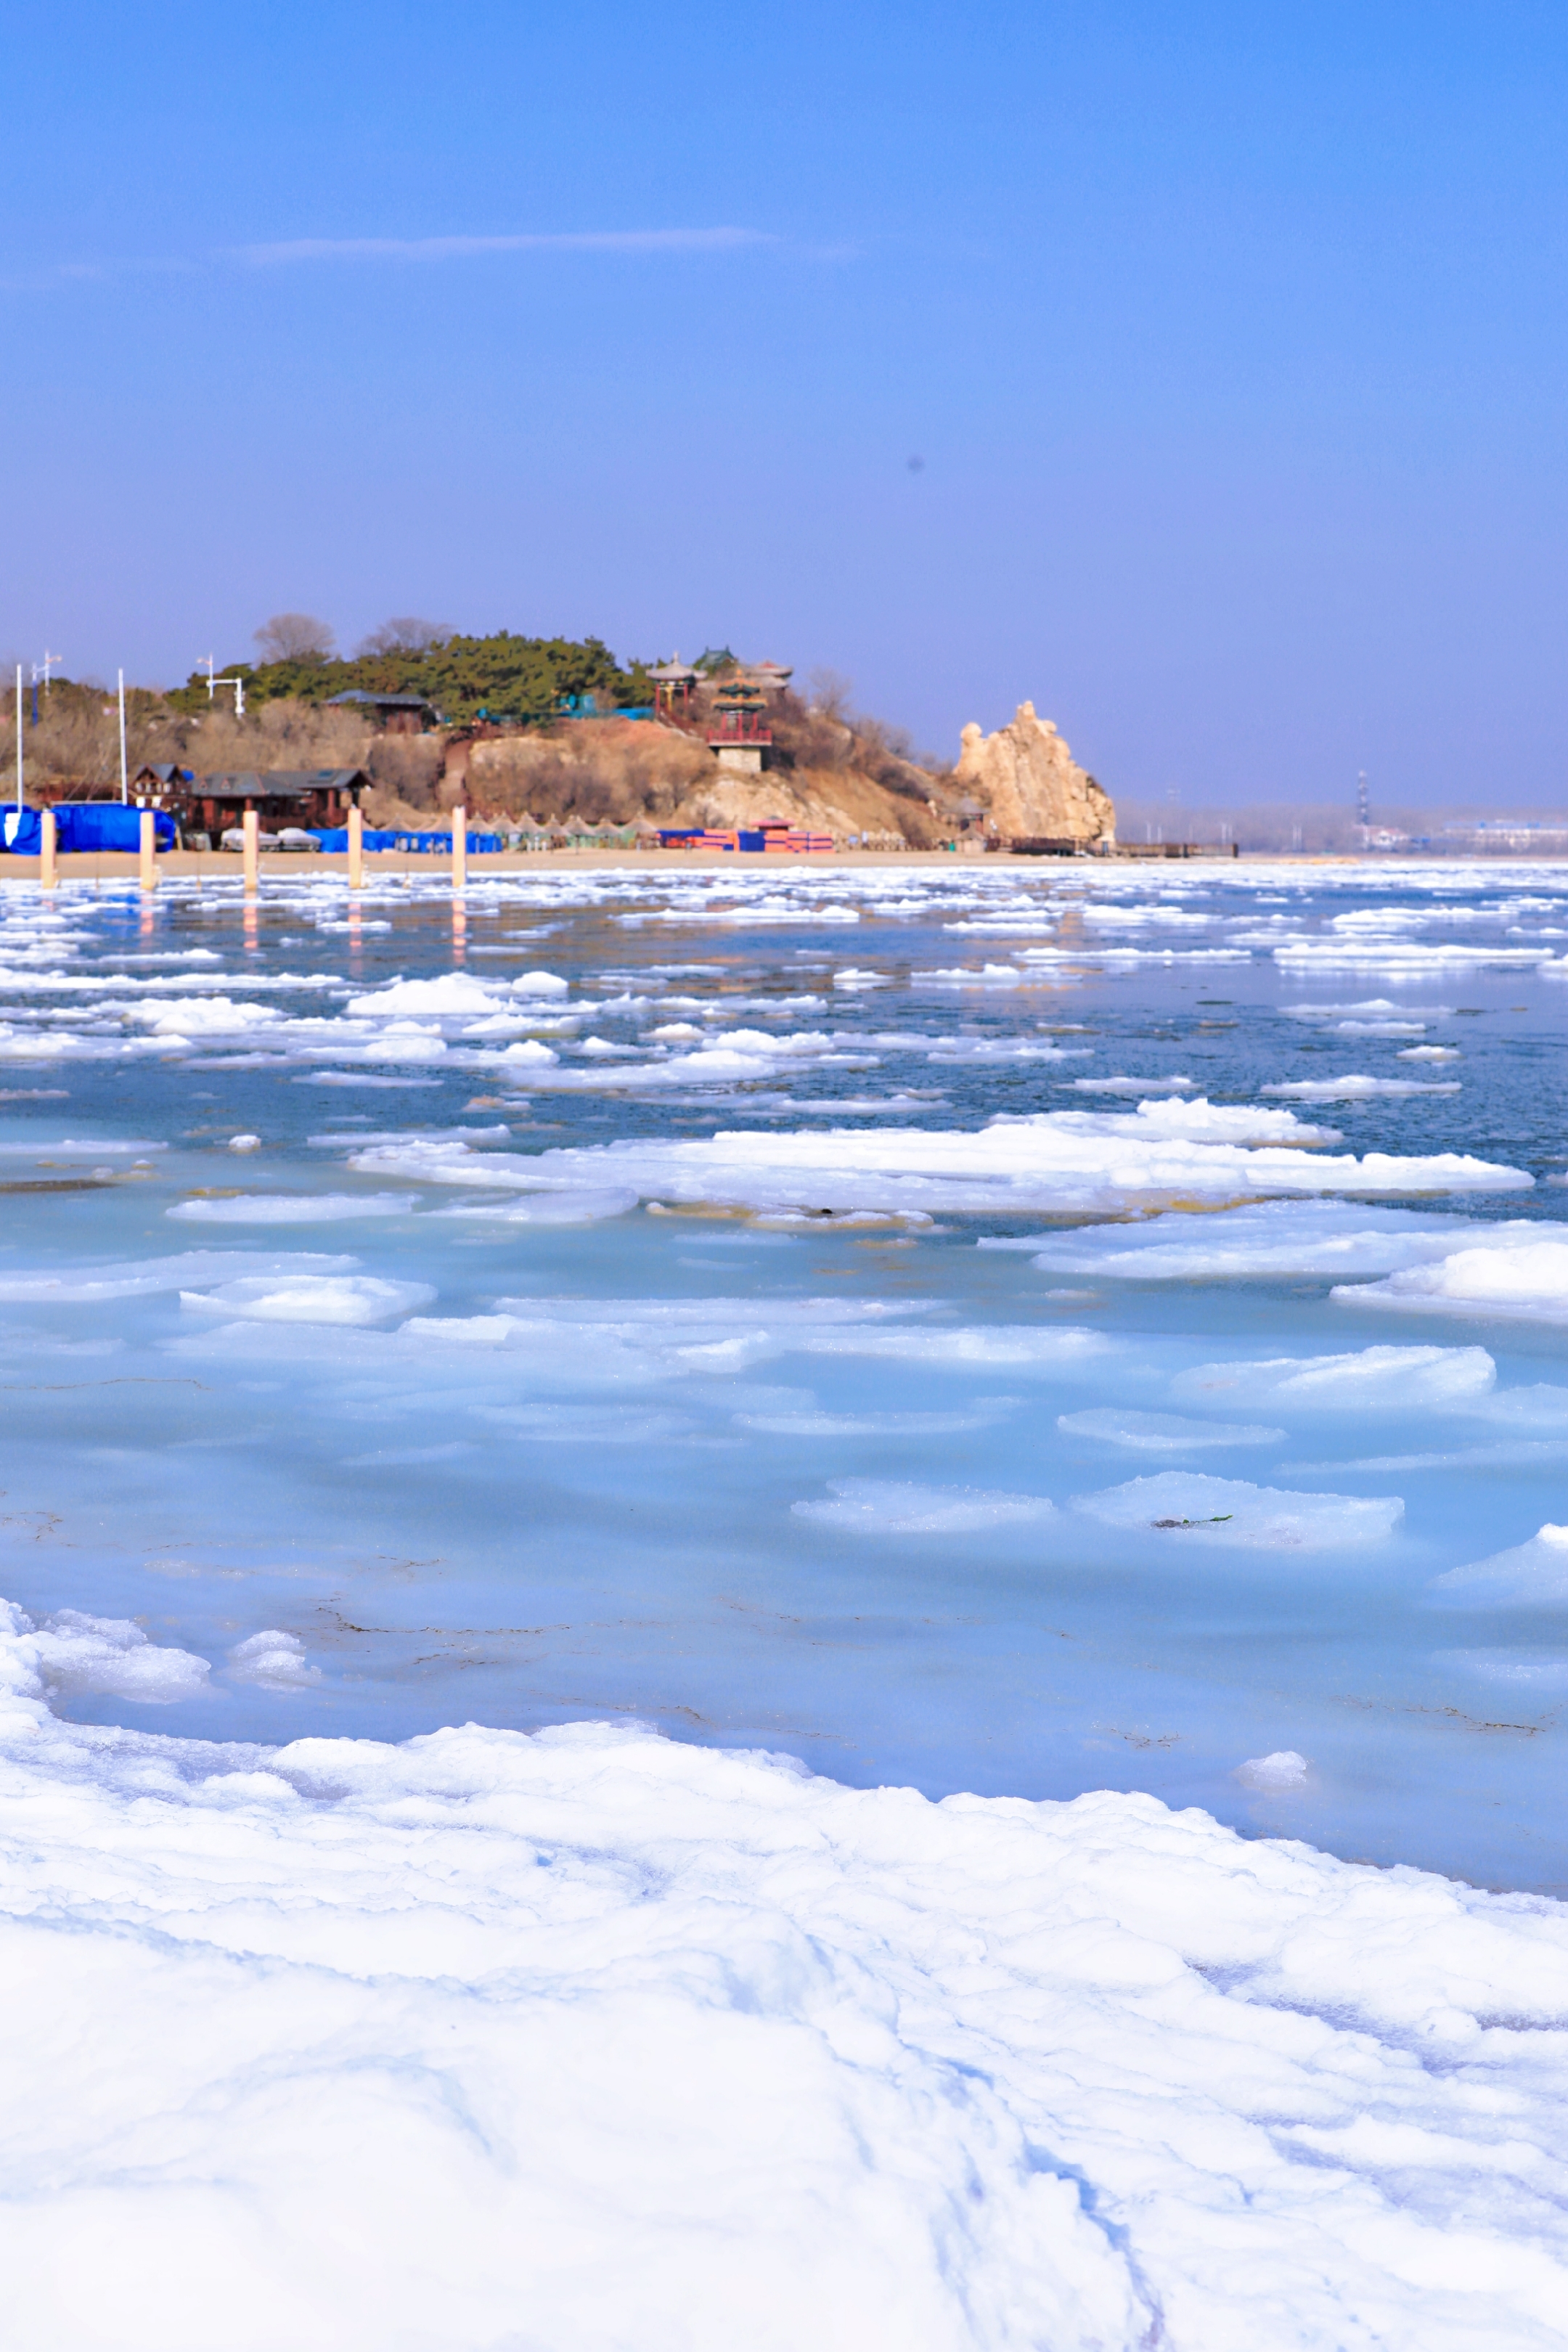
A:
(497, 676)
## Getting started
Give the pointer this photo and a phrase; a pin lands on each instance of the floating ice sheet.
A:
(85, 1283)
(1530, 1575)
(289, 1208)
(1260, 1242)
(1184, 1507)
(1387, 1379)
(351, 1299)
(1163, 1433)
(892, 1507)
(1058, 1161)
(1519, 1275)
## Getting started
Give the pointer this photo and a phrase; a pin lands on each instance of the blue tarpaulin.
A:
(337, 837)
(83, 825)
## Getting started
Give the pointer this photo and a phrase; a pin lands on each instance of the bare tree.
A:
(406, 636)
(295, 636)
(828, 692)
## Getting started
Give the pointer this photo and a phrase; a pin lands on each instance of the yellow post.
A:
(356, 849)
(252, 851)
(46, 874)
(459, 849)
(148, 876)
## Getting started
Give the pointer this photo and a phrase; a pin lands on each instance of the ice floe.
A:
(273, 1661)
(892, 1507)
(85, 1283)
(351, 1299)
(1520, 1274)
(288, 1208)
(1260, 1242)
(1163, 1433)
(1530, 1575)
(1185, 1505)
(73, 1654)
(1164, 1150)
(1372, 1378)
(1354, 1089)
(1285, 1769)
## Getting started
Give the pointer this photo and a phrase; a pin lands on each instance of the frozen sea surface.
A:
(717, 1305)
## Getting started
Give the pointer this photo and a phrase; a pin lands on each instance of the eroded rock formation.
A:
(1029, 784)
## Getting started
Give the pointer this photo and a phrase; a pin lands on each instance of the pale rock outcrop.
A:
(1028, 783)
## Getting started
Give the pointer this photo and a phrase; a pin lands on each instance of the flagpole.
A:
(124, 785)
(18, 734)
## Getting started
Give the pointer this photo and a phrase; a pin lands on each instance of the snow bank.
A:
(592, 2039)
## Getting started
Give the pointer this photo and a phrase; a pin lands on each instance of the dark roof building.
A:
(400, 714)
(302, 796)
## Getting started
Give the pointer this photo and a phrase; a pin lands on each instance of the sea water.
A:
(946, 1324)
(740, 1605)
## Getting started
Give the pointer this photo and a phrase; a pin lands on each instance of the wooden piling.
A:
(47, 875)
(459, 849)
(252, 853)
(356, 849)
(147, 873)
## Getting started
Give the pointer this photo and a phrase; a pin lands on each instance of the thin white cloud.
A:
(459, 248)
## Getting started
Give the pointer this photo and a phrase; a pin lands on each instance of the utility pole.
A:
(124, 779)
(1362, 801)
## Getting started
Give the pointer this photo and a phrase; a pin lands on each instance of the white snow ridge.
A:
(590, 2039)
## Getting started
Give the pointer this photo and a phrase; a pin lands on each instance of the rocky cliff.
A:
(1028, 782)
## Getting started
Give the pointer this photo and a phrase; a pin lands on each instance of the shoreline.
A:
(225, 865)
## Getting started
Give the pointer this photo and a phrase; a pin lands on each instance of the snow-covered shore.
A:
(595, 2039)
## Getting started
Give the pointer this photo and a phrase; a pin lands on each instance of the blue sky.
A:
(1230, 339)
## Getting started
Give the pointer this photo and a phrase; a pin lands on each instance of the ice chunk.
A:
(1132, 1086)
(1284, 1769)
(1187, 1506)
(1357, 1089)
(892, 1507)
(290, 1208)
(1257, 1243)
(1511, 1279)
(1383, 1379)
(351, 1299)
(142, 1277)
(1162, 1432)
(75, 1655)
(567, 1207)
(1532, 1574)
(273, 1661)
(1049, 1161)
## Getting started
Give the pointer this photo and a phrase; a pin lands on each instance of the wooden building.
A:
(281, 796)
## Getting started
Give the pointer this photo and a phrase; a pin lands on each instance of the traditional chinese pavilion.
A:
(738, 727)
